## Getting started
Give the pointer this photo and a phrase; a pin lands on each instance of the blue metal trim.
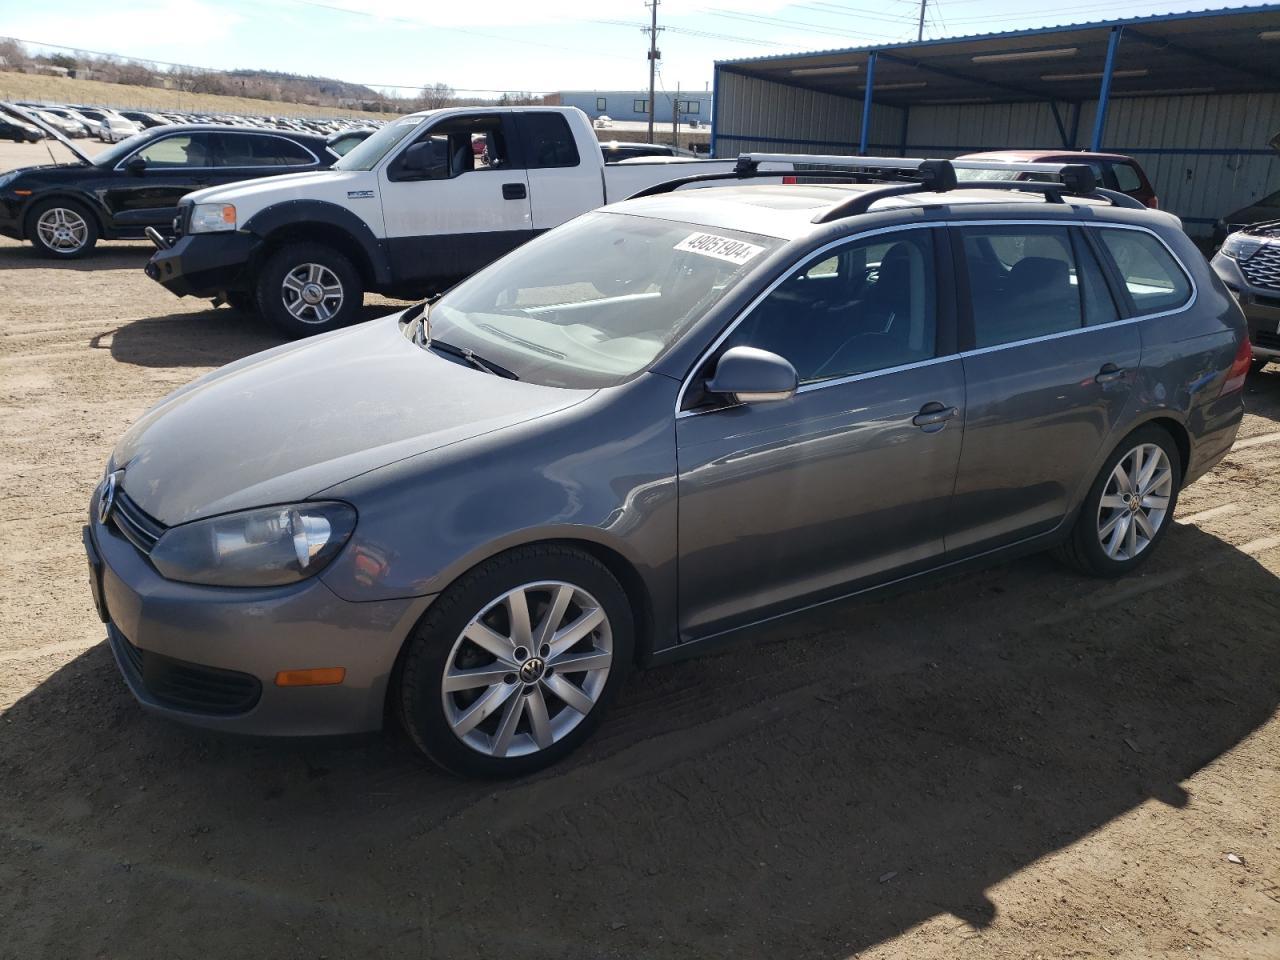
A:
(1030, 32)
(865, 132)
(715, 105)
(745, 138)
(1104, 92)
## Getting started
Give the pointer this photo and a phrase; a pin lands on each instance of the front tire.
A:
(514, 665)
(1129, 508)
(63, 229)
(309, 288)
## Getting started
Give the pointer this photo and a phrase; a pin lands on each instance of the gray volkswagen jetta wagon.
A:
(655, 426)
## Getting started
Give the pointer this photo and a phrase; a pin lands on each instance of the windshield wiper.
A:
(469, 355)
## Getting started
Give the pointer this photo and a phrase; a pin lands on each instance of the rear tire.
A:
(1129, 508)
(537, 611)
(309, 288)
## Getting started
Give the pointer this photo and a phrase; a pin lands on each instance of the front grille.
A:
(134, 524)
(188, 686)
(1263, 268)
(1269, 340)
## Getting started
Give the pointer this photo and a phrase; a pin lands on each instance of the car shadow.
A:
(125, 255)
(815, 790)
(207, 338)
(1262, 391)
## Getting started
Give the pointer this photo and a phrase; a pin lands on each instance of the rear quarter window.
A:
(1155, 280)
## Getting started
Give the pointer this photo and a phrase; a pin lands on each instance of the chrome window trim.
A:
(119, 167)
(839, 381)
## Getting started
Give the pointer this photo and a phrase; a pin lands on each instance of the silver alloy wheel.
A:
(1135, 502)
(62, 229)
(527, 669)
(312, 293)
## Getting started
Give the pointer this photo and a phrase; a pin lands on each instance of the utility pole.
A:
(653, 58)
(675, 118)
(920, 27)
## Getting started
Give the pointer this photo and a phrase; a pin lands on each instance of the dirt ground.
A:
(1016, 763)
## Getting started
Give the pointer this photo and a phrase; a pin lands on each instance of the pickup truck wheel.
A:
(62, 229)
(308, 288)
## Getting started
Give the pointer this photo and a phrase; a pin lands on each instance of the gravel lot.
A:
(1015, 763)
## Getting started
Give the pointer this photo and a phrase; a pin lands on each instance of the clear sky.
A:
(495, 45)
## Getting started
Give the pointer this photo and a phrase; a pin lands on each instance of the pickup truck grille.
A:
(1263, 268)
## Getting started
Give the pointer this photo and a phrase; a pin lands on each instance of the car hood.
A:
(289, 186)
(283, 425)
(41, 125)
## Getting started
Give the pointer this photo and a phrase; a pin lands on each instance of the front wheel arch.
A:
(28, 217)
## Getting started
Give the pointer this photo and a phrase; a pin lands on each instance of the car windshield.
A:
(367, 154)
(113, 154)
(594, 302)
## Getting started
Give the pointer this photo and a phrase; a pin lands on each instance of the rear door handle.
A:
(1109, 373)
(514, 191)
(933, 416)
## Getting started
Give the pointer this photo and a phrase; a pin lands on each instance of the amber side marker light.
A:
(320, 677)
(22, 193)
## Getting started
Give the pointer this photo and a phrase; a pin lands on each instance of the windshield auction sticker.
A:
(722, 248)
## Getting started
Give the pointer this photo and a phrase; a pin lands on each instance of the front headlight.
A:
(256, 548)
(213, 217)
(1240, 246)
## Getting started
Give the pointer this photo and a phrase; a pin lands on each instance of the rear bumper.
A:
(204, 264)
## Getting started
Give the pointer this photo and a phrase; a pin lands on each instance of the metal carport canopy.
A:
(1234, 50)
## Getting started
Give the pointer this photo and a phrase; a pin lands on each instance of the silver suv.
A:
(1249, 264)
(650, 429)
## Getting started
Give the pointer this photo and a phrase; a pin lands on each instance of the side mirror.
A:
(425, 161)
(135, 166)
(749, 375)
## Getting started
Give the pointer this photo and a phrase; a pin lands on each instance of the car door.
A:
(559, 188)
(468, 210)
(849, 481)
(173, 166)
(1049, 366)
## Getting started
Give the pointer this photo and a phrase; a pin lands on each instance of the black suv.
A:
(1249, 264)
(64, 209)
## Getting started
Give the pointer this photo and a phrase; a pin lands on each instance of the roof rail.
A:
(906, 175)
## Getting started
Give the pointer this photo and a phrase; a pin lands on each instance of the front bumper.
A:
(1261, 306)
(204, 264)
(208, 656)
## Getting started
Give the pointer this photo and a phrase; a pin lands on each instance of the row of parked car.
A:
(112, 126)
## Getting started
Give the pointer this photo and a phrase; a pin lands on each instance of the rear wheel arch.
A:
(1181, 438)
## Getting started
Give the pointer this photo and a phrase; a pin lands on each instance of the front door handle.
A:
(1109, 373)
(514, 191)
(933, 416)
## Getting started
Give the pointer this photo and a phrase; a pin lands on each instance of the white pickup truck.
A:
(420, 204)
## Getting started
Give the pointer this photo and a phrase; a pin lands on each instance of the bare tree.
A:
(436, 96)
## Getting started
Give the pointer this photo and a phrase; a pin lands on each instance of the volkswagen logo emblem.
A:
(107, 497)
(532, 669)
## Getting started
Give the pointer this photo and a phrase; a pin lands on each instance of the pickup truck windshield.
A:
(367, 154)
(594, 302)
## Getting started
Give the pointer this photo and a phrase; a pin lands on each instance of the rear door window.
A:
(547, 140)
(1023, 283)
(1127, 179)
(1155, 281)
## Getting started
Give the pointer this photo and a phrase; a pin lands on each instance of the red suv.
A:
(1115, 172)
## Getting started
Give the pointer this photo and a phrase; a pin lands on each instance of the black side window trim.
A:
(1115, 282)
(1083, 252)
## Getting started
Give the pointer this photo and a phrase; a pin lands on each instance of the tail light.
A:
(1239, 369)
(789, 179)
(1154, 202)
